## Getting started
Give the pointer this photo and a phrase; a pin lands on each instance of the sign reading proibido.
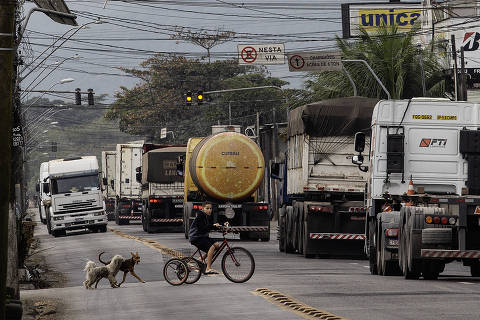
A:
(315, 61)
(261, 53)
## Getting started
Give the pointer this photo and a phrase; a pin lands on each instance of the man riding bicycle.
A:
(198, 235)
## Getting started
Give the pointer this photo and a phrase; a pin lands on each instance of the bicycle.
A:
(238, 264)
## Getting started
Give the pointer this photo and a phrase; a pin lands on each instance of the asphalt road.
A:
(342, 287)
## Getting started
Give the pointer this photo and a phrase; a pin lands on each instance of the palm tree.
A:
(396, 60)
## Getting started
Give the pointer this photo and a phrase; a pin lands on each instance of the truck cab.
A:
(76, 199)
(423, 175)
(44, 197)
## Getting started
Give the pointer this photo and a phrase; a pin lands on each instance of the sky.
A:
(132, 31)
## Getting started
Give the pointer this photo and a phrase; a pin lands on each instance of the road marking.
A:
(288, 303)
(150, 243)
(466, 282)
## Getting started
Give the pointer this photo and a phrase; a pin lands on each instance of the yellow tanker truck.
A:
(226, 169)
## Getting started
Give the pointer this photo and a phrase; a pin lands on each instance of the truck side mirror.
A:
(138, 177)
(359, 143)
(37, 187)
(105, 181)
(112, 184)
(46, 188)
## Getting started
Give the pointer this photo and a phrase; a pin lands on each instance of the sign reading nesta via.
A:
(261, 53)
(315, 61)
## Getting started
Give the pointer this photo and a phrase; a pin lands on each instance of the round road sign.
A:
(249, 54)
(296, 61)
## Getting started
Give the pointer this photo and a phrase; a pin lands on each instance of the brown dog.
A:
(127, 266)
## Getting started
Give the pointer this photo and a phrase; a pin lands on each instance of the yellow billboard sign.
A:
(372, 19)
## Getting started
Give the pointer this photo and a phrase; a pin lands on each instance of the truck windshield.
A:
(75, 184)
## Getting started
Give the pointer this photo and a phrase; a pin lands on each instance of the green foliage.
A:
(396, 60)
(159, 99)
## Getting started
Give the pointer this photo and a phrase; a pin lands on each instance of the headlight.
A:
(98, 213)
(58, 218)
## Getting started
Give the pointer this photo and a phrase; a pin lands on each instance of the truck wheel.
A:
(288, 230)
(372, 248)
(281, 229)
(144, 219)
(305, 239)
(103, 228)
(148, 225)
(49, 225)
(379, 253)
(475, 269)
(300, 224)
(388, 267)
(187, 210)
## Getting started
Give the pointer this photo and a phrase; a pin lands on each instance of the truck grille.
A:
(88, 205)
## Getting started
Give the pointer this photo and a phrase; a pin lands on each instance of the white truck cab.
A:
(423, 193)
(76, 199)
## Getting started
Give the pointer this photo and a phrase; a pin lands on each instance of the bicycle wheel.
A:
(175, 271)
(238, 265)
(194, 270)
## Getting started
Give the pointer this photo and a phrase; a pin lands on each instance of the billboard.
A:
(371, 16)
(467, 35)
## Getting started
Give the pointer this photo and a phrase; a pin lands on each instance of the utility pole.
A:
(455, 67)
(7, 53)
(463, 78)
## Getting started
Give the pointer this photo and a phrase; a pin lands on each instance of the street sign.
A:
(315, 61)
(17, 136)
(163, 133)
(261, 53)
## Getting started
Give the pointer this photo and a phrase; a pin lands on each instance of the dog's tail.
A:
(100, 259)
(89, 266)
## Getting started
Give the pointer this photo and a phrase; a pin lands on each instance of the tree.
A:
(158, 100)
(203, 38)
(396, 60)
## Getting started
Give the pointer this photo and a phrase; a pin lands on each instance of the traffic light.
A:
(78, 97)
(199, 97)
(188, 98)
(90, 97)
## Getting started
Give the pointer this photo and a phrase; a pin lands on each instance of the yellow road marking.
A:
(149, 243)
(290, 304)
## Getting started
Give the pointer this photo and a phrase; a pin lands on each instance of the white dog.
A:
(96, 273)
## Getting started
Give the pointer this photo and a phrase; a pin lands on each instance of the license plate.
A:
(234, 206)
(177, 200)
(78, 219)
(179, 206)
(393, 242)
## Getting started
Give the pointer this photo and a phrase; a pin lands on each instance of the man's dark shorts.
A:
(203, 243)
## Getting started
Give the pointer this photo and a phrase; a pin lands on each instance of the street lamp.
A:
(63, 81)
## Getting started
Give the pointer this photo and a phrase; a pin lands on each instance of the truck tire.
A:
(305, 246)
(281, 229)
(49, 225)
(387, 267)
(475, 269)
(103, 228)
(288, 230)
(437, 236)
(301, 227)
(410, 267)
(372, 248)
(148, 225)
(187, 212)
(144, 208)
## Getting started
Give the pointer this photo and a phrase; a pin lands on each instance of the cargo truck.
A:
(43, 197)
(423, 175)
(162, 188)
(76, 201)
(226, 169)
(108, 182)
(323, 208)
(128, 202)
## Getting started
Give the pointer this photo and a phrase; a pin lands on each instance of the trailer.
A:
(162, 188)
(323, 209)
(108, 182)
